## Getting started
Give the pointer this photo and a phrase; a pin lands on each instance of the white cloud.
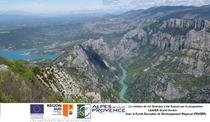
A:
(150, 3)
(111, 2)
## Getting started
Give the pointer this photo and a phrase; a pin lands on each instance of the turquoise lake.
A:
(21, 55)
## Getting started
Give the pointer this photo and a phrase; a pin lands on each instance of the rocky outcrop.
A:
(58, 81)
(3, 67)
(79, 73)
(101, 47)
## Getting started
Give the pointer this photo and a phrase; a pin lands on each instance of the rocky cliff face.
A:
(84, 72)
(184, 53)
(193, 43)
(191, 37)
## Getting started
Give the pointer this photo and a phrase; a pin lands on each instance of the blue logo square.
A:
(37, 109)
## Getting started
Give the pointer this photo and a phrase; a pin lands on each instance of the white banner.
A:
(69, 112)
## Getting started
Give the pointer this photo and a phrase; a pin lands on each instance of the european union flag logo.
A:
(37, 109)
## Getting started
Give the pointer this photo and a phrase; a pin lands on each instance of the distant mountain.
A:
(131, 19)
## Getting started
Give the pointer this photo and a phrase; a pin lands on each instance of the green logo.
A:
(83, 111)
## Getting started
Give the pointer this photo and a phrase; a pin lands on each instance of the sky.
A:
(47, 6)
